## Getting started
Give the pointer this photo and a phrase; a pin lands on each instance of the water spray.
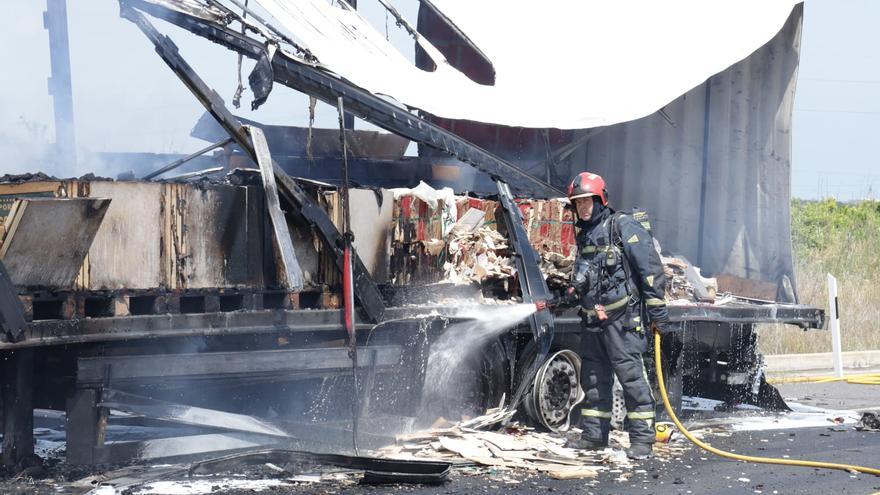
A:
(462, 340)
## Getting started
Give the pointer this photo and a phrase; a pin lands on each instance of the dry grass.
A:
(843, 240)
(859, 302)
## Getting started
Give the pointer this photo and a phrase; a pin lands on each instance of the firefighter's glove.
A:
(568, 299)
(667, 326)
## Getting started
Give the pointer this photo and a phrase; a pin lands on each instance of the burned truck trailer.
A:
(232, 306)
(157, 320)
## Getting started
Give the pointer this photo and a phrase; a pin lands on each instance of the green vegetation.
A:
(844, 240)
(836, 237)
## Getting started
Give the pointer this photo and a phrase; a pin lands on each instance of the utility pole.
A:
(60, 88)
(348, 119)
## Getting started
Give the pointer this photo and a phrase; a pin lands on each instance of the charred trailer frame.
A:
(98, 377)
(738, 344)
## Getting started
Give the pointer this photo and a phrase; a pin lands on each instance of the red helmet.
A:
(587, 184)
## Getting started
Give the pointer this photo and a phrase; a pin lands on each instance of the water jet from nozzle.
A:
(451, 356)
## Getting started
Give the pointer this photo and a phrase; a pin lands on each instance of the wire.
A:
(846, 81)
(833, 110)
(236, 98)
(730, 455)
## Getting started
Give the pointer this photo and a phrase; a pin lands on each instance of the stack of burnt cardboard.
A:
(474, 249)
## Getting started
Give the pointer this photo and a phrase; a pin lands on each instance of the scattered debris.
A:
(684, 281)
(518, 447)
(196, 487)
(870, 421)
(477, 256)
(455, 239)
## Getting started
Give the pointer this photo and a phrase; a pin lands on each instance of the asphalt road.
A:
(836, 395)
(698, 472)
(694, 472)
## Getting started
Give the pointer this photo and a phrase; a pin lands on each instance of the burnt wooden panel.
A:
(127, 251)
(372, 224)
(221, 226)
(46, 239)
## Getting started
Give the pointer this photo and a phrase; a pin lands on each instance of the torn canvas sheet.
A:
(561, 64)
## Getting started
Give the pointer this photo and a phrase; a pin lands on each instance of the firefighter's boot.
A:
(584, 444)
(640, 450)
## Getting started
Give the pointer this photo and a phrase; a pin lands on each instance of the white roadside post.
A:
(834, 324)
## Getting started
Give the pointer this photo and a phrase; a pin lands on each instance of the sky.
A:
(837, 104)
(126, 99)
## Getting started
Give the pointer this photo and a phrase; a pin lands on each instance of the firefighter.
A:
(618, 282)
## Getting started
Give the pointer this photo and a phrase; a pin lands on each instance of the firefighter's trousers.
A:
(615, 349)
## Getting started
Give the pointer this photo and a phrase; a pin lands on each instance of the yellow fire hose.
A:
(730, 455)
(863, 379)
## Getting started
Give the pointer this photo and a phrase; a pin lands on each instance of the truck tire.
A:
(556, 389)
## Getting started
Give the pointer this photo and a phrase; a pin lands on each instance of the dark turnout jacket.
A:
(617, 267)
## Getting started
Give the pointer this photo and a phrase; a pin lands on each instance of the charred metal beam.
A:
(803, 316)
(800, 315)
(377, 470)
(532, 284)
(458, 32)
(11, 312)
(176, 163)
(198, 173)
(18, 408)
(293, 275)
(63, 332)
(367, 292)
(316, 81)
(393, 118)
(274, 363)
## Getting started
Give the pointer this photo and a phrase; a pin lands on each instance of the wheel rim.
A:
(555, 391)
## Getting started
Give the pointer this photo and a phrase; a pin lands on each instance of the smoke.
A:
(25, 148)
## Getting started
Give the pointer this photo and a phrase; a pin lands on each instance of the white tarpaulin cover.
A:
(566, 64)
